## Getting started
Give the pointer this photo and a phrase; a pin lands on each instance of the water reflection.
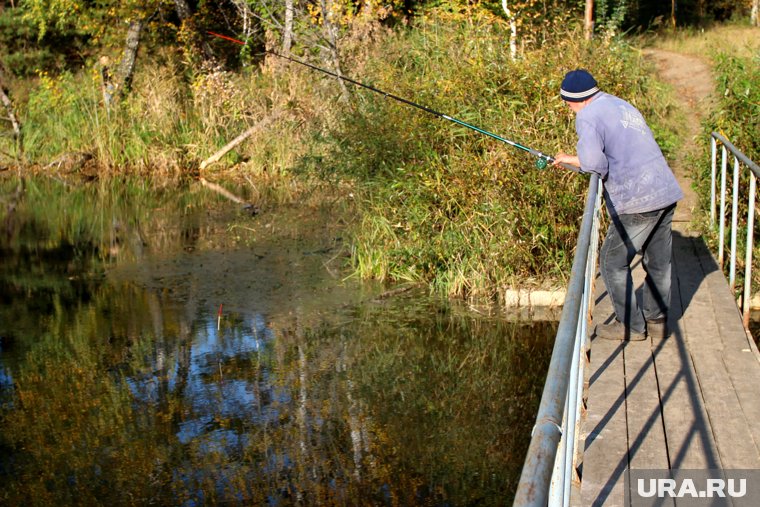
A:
(121, 385)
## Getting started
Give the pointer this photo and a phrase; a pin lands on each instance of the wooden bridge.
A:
(691, 401)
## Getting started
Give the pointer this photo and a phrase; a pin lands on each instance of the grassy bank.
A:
(733, 52)
(443, 205)
(431, 202)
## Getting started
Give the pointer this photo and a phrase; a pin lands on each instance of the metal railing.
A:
(549, 470)
(739, 157)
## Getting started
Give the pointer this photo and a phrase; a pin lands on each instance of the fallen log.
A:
(239, 139)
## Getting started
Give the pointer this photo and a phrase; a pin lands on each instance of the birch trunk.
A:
(331, 34)
(512, 30)
(8, 104)
(755, 15)
(247, 16)
(287, 32)
(127, 65)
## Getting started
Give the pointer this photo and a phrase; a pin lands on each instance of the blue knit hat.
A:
(578, 85)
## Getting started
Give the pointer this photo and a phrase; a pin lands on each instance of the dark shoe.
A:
(618, 331)
(658, 328)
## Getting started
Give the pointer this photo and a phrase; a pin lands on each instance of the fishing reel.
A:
(541, 163)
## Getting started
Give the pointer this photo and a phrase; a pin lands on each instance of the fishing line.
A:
(542, 159)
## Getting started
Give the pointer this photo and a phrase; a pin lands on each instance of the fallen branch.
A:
(239, 139)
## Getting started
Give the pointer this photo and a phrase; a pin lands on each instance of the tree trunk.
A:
(183, 10)
(755, 15)
(127, 65)
(331, 34)
(287, 33)
(589, 19)
(512, 30)
(8, 104)
(247, 16)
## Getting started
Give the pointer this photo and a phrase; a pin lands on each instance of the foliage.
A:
(615, 16)
(437, 203)
(738, 114)
(130, 391)
(79, 16)
(23, 55)
(446, 206)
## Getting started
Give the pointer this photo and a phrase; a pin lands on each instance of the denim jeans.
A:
(648, 233)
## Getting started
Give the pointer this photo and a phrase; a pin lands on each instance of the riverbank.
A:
(430, 203)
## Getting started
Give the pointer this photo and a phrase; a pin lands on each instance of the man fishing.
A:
(640, 192)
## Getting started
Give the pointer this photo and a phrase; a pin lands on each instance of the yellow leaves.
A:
(315, 14)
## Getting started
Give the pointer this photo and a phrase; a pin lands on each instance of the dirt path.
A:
(692, 79)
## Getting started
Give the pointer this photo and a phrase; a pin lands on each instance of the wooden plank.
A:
(737, 352)
(687, 427)
(647, 445)
(713, 327)
(744, 373)
(732, 435)
(606, 448)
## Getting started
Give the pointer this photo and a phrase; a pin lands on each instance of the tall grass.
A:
(443, 205)
(733, 50)
(738, 38)
(432, 202)
(172, 120)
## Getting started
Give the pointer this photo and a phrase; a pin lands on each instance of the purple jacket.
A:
(615, 142)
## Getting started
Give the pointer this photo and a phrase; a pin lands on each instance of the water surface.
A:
(165, 348)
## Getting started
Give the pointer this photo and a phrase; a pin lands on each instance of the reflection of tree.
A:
(405, 410)
(130, 395)
(457, 396)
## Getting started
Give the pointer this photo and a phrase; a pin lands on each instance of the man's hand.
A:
(561, 158)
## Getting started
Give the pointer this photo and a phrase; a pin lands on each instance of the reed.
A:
(461, 212)
(431, 202)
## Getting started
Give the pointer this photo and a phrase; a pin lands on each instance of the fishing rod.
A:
(542, 159)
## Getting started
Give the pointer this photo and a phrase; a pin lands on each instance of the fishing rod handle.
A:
(551, 160)
(569, 167)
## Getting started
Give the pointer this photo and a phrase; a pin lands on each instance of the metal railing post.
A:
(739, 158)
(734, 225)
(722, 228)
(713, 164)
(565, 474)
(750, 245)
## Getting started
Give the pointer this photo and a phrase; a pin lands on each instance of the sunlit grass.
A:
(738, 39)
(449, 207)
(433, 202)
